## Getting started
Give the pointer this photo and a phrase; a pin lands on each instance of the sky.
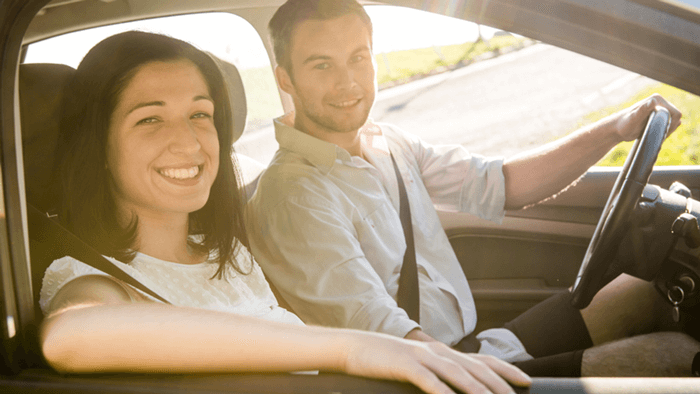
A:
(694, 3)
(233, 39)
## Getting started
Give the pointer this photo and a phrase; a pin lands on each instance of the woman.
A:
(147, 178)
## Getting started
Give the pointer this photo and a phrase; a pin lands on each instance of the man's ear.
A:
(284, 80)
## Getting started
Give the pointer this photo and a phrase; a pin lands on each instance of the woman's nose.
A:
(184, 138)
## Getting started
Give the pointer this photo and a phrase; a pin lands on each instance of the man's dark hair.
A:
(88, 207)
(294, 12)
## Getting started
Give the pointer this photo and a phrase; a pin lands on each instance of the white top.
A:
(325, 227)
(184, 285)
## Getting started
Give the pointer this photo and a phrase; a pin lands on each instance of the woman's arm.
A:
(101, 330)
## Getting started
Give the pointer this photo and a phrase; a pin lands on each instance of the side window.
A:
(454, 82)
(228, 36)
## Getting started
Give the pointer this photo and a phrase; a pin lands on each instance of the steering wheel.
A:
(623, 198)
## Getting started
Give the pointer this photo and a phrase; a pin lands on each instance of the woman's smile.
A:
(181, 174)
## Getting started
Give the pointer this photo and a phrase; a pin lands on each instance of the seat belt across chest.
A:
(408, 295)
(43, 229)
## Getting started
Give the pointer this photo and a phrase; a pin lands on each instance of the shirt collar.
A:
(373, 140)
(323, 154)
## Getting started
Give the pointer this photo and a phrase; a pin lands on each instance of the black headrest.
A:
(41, 88)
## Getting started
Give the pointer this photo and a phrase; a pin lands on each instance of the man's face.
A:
(332, 79)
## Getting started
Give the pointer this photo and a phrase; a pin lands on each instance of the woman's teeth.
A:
(180, 173)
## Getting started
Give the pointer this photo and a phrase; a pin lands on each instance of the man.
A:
(325, 225)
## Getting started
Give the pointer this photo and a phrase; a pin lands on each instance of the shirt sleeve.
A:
(59, 273)
(457, 180)
(310, 251)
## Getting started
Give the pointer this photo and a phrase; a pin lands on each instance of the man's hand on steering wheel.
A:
(631, 121)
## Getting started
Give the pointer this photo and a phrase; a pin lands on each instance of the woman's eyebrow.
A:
(203, 97)
(148, 104)
(161, 103)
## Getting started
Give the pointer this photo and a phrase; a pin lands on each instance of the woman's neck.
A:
(166, 238)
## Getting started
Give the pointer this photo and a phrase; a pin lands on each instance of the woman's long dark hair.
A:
(87, 205)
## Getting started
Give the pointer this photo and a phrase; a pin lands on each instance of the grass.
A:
(406, 64)
(681, 148)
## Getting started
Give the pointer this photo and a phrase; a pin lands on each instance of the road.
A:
(499, 106)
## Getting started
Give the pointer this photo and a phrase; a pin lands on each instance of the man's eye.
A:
(358, 59)
(322, 66)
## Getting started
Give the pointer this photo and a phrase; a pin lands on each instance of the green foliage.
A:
(681, 148)
(405, 64)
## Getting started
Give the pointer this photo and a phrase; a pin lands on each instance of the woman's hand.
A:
(431, 366)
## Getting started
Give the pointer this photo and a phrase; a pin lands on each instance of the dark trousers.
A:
(553, 332)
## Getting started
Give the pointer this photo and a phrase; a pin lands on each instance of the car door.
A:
(17, 305)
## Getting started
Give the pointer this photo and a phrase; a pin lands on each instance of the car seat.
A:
(41, 89)
(250, 169)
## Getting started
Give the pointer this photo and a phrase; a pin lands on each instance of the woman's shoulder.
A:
(59, 273)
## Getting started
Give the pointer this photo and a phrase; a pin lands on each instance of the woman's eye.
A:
(358, 58)
(147, 121)
(201, 115)
(322, 66)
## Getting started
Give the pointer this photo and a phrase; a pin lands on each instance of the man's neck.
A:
(349, 140)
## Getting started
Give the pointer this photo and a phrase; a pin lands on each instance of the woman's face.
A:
(163, 148)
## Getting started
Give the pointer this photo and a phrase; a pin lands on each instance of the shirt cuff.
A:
(486, 195)
(382, 315)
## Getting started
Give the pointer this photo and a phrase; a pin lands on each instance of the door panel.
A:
(536, 252)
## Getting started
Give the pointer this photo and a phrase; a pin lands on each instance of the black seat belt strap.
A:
(42, 228)
(408, 296)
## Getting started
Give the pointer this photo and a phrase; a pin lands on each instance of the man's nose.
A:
(345, 77)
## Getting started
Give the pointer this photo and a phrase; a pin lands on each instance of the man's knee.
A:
(655, 354)
(626, 307)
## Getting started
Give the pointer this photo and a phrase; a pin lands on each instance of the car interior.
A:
(513, 269)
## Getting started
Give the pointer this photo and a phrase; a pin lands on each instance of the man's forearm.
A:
(537, 174)
(533, 176)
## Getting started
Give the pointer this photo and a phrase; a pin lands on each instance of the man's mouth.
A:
(345, 104)
(181, 173)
